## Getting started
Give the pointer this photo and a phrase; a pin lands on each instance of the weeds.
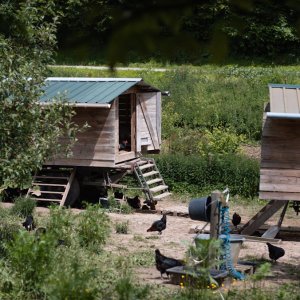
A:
(122, 227)
(93, 227)
(23, 207)
(142, 258)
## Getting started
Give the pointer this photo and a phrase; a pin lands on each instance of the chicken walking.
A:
(236, 220)
(163, 263)
(159, 225)
(275, 252)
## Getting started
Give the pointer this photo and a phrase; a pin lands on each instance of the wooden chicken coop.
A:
(124, 118)
(280, 154)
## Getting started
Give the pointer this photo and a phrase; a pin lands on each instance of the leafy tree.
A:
(29, 132)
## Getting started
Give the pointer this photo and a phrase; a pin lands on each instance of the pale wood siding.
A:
(280, 160)
(96, 146)
(284, 100)
(148, 121)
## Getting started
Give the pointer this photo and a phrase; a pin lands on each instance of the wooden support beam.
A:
(214, 214)
(262, 216)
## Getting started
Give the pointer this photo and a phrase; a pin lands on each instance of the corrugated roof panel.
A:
(113, 91)
(284, 99)
(89, 90)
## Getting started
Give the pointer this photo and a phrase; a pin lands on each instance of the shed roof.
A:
(89, 91)
(284, 101)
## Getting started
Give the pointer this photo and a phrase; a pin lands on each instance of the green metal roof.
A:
(93, 91)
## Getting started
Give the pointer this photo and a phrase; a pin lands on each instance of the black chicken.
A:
(275, 252)
(236, 219)
(159, 225)
(118, 195)
(29, 223)
(134, 202)
(151, 204)
(163, 263)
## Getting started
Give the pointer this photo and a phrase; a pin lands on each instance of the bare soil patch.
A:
(175, 240)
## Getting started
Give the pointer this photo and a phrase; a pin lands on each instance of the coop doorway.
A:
(126, 123)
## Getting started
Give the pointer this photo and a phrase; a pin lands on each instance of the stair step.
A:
(150, 173)
(142, 162)
(143, 167)
(49, 184)
(154, 181)
(158, 188)
(52, 177)
(46, 199)
(158, 197)
(52, 192)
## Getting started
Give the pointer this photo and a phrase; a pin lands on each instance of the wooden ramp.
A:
(151, 180)
(52, 185)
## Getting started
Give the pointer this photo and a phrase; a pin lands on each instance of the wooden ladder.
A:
(52, 184)
(151, 180)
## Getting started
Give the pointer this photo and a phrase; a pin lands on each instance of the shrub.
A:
(73, 277)
(30, 260)
(127, 290)
(61, 224)
(23, 207)
(93, 227)
(122, 227)
(194, 174)
(219, 141)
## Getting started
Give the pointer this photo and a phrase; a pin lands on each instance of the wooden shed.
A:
(124, 118)
(280, 149)
(280, 157)
(116, 109)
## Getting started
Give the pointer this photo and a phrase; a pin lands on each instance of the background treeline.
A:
(179, 31)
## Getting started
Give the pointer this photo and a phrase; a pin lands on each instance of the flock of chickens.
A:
(163, 263)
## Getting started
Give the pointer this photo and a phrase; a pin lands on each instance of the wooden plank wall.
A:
(148, 134)
(280, 160)
(96, 146)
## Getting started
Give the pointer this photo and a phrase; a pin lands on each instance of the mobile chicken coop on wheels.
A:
(124, 118)
(280, 157)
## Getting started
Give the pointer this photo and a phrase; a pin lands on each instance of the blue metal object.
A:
(225, 230)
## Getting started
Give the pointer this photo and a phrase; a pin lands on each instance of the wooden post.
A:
(214, 214)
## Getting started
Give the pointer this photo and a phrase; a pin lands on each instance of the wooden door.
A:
(148, 121)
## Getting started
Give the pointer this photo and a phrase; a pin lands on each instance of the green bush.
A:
(10, 225)
(93, 227)
(30, 260)
(194, 174)
(73, 277)
(61, 224)
(122, 227)
(23, 207)
(219, 141)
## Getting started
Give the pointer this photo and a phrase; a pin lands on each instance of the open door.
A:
(148, 122)
(127, 125)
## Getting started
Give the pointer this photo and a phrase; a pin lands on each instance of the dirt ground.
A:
(175, 240)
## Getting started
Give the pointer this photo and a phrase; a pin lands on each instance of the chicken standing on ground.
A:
(134, 202)
(118, 195)
(159, 225)
(236, 219)
(275, 252)
(151, 204)
(163, 263)
(29, 223)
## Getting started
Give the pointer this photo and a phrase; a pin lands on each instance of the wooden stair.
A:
(52, 184)
(151, 180)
